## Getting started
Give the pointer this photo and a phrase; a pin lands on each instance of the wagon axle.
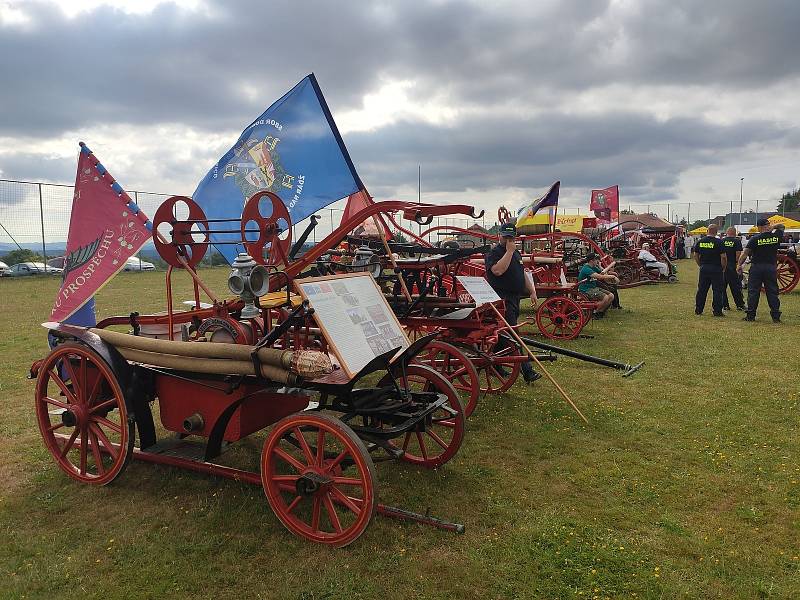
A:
(310, 482)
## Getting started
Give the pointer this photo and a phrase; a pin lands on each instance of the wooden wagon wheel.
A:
(503, 215)
(437, 439)
(495, 374)
(267, 226)
(319, 479)
(788, 274)
(626, 274)
(80, 409)
(451, 362)
(560, 318)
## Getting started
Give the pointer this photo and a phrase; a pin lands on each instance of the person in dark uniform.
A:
(733, 250)
(709, 253)
(762, 249)
(505, 273)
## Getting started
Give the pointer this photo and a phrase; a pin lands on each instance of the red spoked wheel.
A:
(265, 214)
(496, 375)
(788, 274)
(319, 479)
(82, 416)
(435, 440)
(560, 318)
(626, 274)
(187, 238)
(456, 367)
(503, 215)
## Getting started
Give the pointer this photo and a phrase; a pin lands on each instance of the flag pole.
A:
(538, 363)
(381, 227)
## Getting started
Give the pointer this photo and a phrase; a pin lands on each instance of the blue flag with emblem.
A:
(294, 150)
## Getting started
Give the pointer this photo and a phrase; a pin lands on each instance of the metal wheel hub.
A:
(74, 416)
(311, 482)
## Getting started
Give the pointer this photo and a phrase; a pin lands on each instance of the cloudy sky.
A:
(673, 100)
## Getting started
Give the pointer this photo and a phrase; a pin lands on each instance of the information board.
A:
(354, 316)
(479, 289)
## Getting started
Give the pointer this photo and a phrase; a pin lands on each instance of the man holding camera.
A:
(506, 275)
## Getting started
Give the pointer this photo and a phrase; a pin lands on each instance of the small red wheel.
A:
(267, 227)
(319, 479)
(788, 274)
(185, 238)
(626, 274)
(82, 416)
(454, 365)
(496, 374)
(437, 439)
(559, 318)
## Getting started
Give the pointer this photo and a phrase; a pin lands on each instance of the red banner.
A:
(356, 203)
(605, 204)
(105, 229)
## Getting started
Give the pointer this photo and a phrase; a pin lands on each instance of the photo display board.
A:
(479, 289)
(353, 314)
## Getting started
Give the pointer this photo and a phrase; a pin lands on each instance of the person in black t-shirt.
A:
(733, 250)
(505, 273)
(763, 252)
(709, 253)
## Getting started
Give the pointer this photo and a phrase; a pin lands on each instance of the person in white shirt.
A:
(652, 261)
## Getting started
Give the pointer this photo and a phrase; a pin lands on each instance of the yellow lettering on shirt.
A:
(706, 244)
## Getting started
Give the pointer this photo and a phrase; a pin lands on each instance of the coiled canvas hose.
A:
(220, 366)
(206, 357)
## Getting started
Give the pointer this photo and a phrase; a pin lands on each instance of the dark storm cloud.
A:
(633, 150)
(215, 70)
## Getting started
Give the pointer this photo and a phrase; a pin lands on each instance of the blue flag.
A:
(293, 150)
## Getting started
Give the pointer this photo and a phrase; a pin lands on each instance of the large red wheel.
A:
(451, 362)
(81, 413)
(319, 479)
(496, 375)
(788, 274)
(560, 318)
(437, 439)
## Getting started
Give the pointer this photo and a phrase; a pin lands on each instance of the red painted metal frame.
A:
(253, 478)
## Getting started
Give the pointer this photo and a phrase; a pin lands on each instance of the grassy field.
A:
(686, 483)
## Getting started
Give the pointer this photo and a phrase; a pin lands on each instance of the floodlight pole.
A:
(741, 197)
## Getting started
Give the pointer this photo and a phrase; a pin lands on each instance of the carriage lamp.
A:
(248, 280)
(366, 260)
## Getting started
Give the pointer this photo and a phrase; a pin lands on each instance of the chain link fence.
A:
(35, 215)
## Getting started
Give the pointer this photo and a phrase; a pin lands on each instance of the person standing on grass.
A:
(762, 249)
(733, 250)
(588, 278)
(709, 254)
(506, 275)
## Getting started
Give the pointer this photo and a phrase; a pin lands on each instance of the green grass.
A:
(686, 483)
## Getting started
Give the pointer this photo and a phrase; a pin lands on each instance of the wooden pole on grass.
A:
(539, 364)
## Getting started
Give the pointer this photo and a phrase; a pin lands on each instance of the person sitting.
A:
(651, 262)
(588, 278)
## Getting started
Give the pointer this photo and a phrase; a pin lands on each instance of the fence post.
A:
(41, 220)
(688, 213)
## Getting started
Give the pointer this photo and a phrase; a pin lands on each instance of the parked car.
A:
(33, 268)
(135, 263)
(4, 270)
(57, 262)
